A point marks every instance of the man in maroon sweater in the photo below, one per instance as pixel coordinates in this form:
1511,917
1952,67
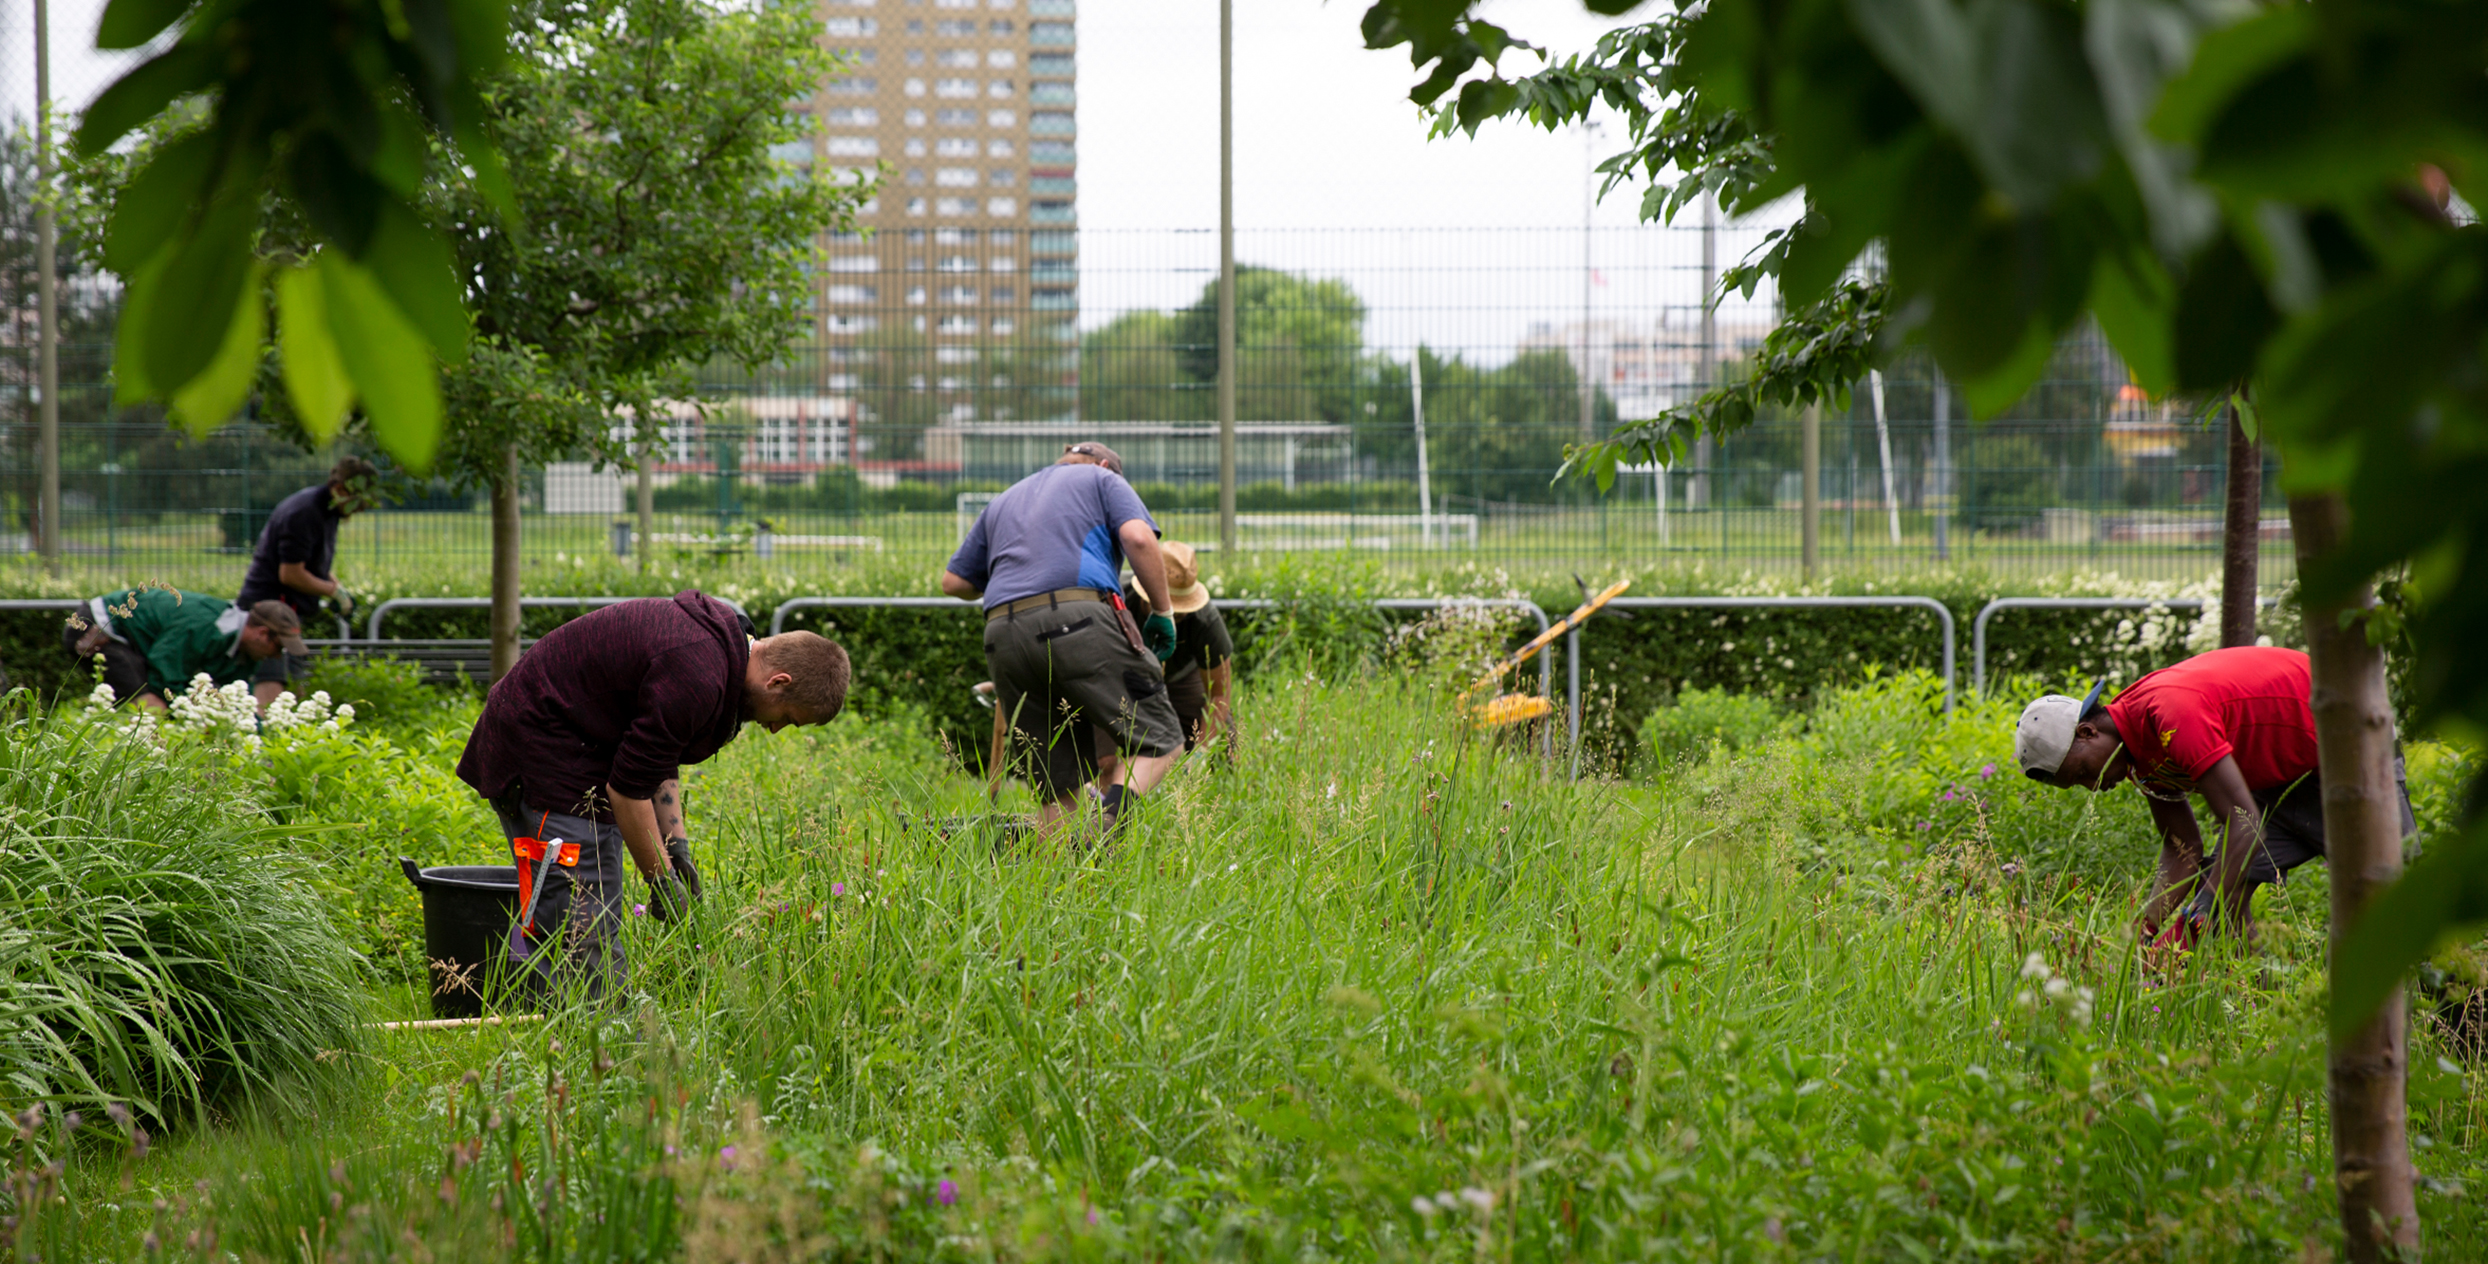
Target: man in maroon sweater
580,751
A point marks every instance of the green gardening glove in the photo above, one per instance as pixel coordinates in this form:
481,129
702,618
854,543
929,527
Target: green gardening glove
1158,631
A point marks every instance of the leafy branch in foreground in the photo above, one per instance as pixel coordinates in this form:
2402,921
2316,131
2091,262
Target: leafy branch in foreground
328,111
1682,146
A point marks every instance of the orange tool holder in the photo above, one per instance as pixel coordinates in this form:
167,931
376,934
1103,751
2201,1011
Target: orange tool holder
531,876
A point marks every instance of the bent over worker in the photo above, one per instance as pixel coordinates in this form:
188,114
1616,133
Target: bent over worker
1200,674
580,751
154,641
295,558
2234,726
1047,557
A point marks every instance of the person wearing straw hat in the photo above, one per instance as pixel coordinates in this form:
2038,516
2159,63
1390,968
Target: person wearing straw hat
2234,726
154,641
1200,675
1065,651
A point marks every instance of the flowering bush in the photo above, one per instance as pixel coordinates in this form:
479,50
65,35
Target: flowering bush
211,711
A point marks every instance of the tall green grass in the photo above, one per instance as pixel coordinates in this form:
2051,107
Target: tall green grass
162,944
1384,989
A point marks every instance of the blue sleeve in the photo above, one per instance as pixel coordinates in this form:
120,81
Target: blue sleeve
1122,503
971,561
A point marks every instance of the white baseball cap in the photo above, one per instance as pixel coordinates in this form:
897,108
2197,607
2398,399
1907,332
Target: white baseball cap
2046,730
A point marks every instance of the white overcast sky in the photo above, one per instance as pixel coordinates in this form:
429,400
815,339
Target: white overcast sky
1457,242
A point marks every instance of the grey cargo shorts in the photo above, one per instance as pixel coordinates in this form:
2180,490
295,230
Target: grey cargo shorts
1059,669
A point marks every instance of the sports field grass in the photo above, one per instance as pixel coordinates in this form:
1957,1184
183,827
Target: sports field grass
188,549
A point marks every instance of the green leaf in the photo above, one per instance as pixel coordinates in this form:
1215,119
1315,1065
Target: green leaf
207,273
1929,47
211,397
2443,891
2248,420
143,93
129,336
492,179
315,378
335,194
131,23
2315,466
415,266
2133,301
2225,62
2039,126
152,206
2223,318
1997,389
483,30
387,358
398,161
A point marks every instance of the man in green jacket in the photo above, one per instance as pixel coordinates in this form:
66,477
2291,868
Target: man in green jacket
153,640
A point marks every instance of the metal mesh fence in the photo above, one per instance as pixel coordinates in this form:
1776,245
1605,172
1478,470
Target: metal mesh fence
923,391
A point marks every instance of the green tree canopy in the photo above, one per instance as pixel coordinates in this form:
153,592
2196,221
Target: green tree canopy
1300,350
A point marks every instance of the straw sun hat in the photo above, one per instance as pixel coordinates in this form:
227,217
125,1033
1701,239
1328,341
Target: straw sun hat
1183,577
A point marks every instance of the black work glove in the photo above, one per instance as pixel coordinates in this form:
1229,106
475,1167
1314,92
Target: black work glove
1158,632
673,892
678,850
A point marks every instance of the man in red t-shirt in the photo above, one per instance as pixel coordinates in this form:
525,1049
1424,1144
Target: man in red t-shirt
2234,726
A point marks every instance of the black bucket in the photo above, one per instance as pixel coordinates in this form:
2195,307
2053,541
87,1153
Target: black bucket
467,911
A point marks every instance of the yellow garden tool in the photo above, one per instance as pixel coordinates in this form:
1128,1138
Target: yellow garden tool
1515,708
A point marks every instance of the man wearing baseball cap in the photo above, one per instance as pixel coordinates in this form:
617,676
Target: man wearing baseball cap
154,640
2234,726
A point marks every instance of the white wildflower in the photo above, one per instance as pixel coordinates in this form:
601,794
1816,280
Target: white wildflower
2035,967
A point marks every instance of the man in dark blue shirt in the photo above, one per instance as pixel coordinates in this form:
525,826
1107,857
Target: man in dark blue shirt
1047,557
295,561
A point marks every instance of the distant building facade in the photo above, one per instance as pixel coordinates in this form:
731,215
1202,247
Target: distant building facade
956,300
1645,368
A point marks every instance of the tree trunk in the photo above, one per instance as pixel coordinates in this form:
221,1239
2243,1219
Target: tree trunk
2363,849
505,585
2241,540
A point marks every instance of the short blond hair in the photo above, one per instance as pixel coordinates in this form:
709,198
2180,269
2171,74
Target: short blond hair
819,667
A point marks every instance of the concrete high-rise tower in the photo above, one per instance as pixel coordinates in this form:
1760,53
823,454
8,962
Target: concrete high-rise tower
958,299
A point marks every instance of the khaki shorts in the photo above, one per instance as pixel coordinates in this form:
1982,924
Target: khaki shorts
1057,670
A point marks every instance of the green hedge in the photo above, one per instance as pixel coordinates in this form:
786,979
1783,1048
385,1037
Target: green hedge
926,660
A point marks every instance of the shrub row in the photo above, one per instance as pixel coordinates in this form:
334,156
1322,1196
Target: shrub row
1630,666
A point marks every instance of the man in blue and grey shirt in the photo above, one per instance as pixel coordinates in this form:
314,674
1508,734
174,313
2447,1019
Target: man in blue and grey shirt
1047,558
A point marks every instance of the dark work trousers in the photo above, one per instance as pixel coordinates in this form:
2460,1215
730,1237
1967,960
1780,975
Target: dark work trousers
125,669
577,939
